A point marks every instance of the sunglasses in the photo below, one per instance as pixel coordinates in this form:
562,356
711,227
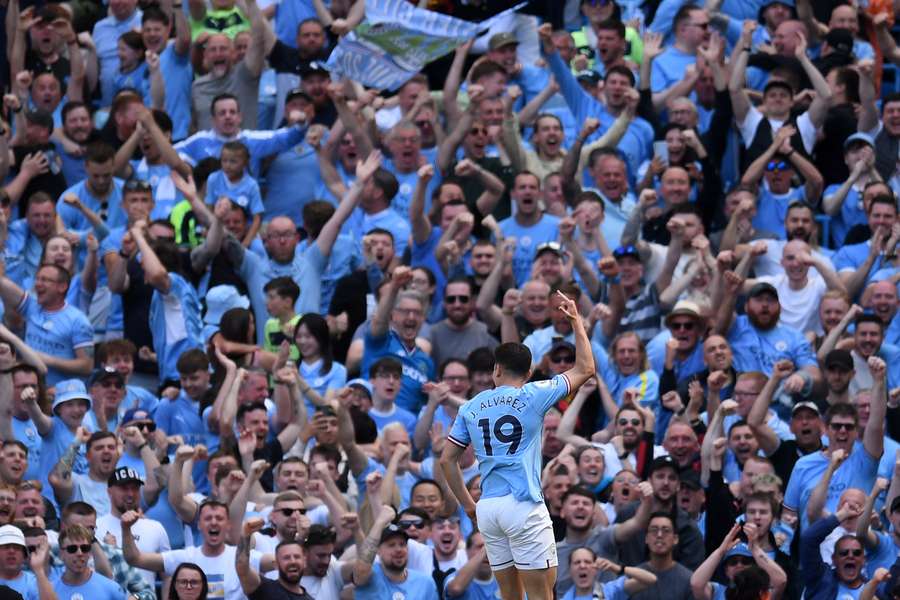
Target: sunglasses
683,326
777,165
847,552
740,560
634,422
148,426
455,299
478,131
137,184
418,524
842,426
289,511
116,384
74,548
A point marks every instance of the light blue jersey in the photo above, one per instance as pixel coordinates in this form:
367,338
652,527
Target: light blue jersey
97,587
262,143
504,425
176,323
58,333
109,209
528,238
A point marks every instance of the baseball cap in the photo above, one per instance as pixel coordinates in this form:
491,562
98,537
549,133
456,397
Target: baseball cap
691,480
553,247
684,308
70,389
391,531
298,93
101,373
562,344
588,76
663,462
840,40
124,475
219,300
135,414
740,549
810,405
361,383
859,137
839,358
498,40
767,3
623,251
780,83
762,288
10,534
313,67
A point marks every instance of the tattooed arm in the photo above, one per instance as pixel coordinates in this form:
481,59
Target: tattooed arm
362,568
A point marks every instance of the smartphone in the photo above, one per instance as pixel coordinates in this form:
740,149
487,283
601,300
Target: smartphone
661,150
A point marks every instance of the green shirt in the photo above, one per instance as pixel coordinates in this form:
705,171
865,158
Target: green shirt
230,22
274,333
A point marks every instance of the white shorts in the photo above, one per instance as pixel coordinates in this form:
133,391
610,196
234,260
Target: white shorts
516,533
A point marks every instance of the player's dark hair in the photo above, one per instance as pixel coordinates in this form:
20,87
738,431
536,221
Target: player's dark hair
513,358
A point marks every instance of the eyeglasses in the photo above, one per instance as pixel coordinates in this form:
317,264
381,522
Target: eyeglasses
188,583
777,165
417,523
289,511
455,299
75,548
478,131
562,358
842,426
623,422
116,384
847,552
745,561
682,325
137,185
659,531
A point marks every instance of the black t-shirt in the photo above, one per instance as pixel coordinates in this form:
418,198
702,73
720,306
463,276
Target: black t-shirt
53,182
285,59
273,590
272,453
61,68
785,457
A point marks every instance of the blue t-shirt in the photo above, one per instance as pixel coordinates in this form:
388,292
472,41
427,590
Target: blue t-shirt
22,253
668,68
262,143
757,350
504,426
405,481
292,180
850,258
418,368
26,432
345,258
175,323
178,74
97,587
106,36
416,587
57,333
398,415
884,554
360,223
245,192
25,584
138,79
612,590
772,209
322,382
528,238
165,194
476,590
407,187
852,213
857,471
684,369
109,209
56,442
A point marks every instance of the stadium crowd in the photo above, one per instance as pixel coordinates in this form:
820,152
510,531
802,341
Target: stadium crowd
245,299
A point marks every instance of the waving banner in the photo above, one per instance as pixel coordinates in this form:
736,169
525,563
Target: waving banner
396,40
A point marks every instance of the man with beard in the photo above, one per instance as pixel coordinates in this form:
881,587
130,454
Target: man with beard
868,340
26,238
253,419
35,158
805,425
214,556
583,531
860,467
758,340
460,333
541,341
125,495
324,575
848,562
100,192
530,226
33,584
664,477
855,262
475,577
393,330
290,559
673,580
78,128
839,373
376,581
311,44
79,579
224,74
686,328
717,356
90,487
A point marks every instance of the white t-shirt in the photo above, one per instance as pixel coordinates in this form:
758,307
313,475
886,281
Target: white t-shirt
769,264
799,308
149,535
328,587
220,571
93,492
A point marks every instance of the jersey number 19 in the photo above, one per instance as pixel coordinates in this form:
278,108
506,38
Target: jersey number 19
513,438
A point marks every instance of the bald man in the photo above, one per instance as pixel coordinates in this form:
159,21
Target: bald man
881,298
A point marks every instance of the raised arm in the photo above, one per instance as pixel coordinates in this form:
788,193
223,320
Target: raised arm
365,169
740,102
700,580
759,412
157,85
873,435
584,367
451,87
864,531
154,272
818,109
250,579
834,336
150,561
261,39
184,507
381,319
815,506
365,556
421,226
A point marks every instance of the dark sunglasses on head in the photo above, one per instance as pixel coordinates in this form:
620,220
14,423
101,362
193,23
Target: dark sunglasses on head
776,165
455,299
635,422
83,548
847,552
406,524
840,426
289,511
137,184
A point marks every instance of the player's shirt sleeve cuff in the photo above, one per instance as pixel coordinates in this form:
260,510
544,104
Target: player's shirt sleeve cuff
453,440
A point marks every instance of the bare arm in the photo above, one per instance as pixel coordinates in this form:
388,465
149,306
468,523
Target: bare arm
154,272
151,561
873,435
421,226
740,102
365,556
815,506
261,39
250,579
